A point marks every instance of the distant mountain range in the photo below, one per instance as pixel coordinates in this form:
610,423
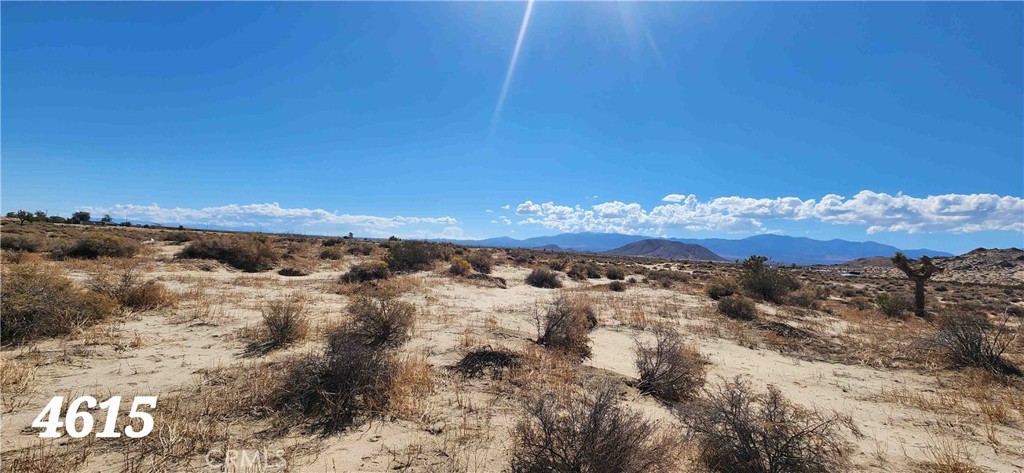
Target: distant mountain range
780,248
666,249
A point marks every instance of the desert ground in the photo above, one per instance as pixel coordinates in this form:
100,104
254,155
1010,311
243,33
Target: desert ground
471,357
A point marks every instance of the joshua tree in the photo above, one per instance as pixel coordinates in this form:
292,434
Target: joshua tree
918,273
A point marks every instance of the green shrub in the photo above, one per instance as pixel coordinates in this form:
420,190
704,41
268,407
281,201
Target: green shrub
544,279
737,307
482,261
765,282
415,255
366,272
20,243
460,267
38,302
95,245
616,273
893,305
252,253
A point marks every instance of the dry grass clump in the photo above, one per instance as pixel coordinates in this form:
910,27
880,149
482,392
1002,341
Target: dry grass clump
615,273
893,305
972,341
17,384
404,256
366,272
20,243
179,236
284,322
566,326
737,307
380,319
544,279
667,276
460,267
486,359
806,297
765,282
251,253
721,287
132,291
669,370
481,261
37,301
331,253
742,431
359,249
593,433
98,244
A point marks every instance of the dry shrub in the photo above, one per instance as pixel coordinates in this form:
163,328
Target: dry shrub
481,261
544,279
616,273
95,245
667,276
345,383
721,287
460,267
558,264
669,370
37,301
331,253
482,360
179,236
592,433
742,431
806,297
972,341
298,267
378,318
251,253
893,305
366,272
737,307
284,322
363,249
766,282
131,291
566,326
617,286
20,243
406,256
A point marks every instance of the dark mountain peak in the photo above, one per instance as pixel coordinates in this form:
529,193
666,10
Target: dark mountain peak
666,249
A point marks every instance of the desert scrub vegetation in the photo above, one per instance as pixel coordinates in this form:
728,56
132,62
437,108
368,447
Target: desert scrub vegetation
378,318
482,261
742,431
737,307
968,340
38,301
410,255
484,360
615,273
131,290
250,253
577,432
669,370
893,305
367,272
765,282
667,277
544,279
617,286
99,244
331,253
566,325
721,287
460,267
283,322
178,236
20,243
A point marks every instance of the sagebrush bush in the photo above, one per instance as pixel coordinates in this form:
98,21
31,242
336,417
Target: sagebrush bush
737,307
972,341
378,318
617,286
667,276
590,433
566,326
893,305
558,264
741,431
669,369
284,322
615,273
178,236
487,359
366,272
482,261
364,249
331,253
132,291
37,301
347,382
412,255
766,282
251,253
544,279
20,243
460,267
95,245
806,297
721,287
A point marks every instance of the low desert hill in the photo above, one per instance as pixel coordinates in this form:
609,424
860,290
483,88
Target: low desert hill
666,249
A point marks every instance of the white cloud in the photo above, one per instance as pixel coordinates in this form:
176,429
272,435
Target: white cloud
880,212
489,211
507,206
270,216
505,220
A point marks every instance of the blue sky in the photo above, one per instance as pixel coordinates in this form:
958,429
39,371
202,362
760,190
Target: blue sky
896,122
